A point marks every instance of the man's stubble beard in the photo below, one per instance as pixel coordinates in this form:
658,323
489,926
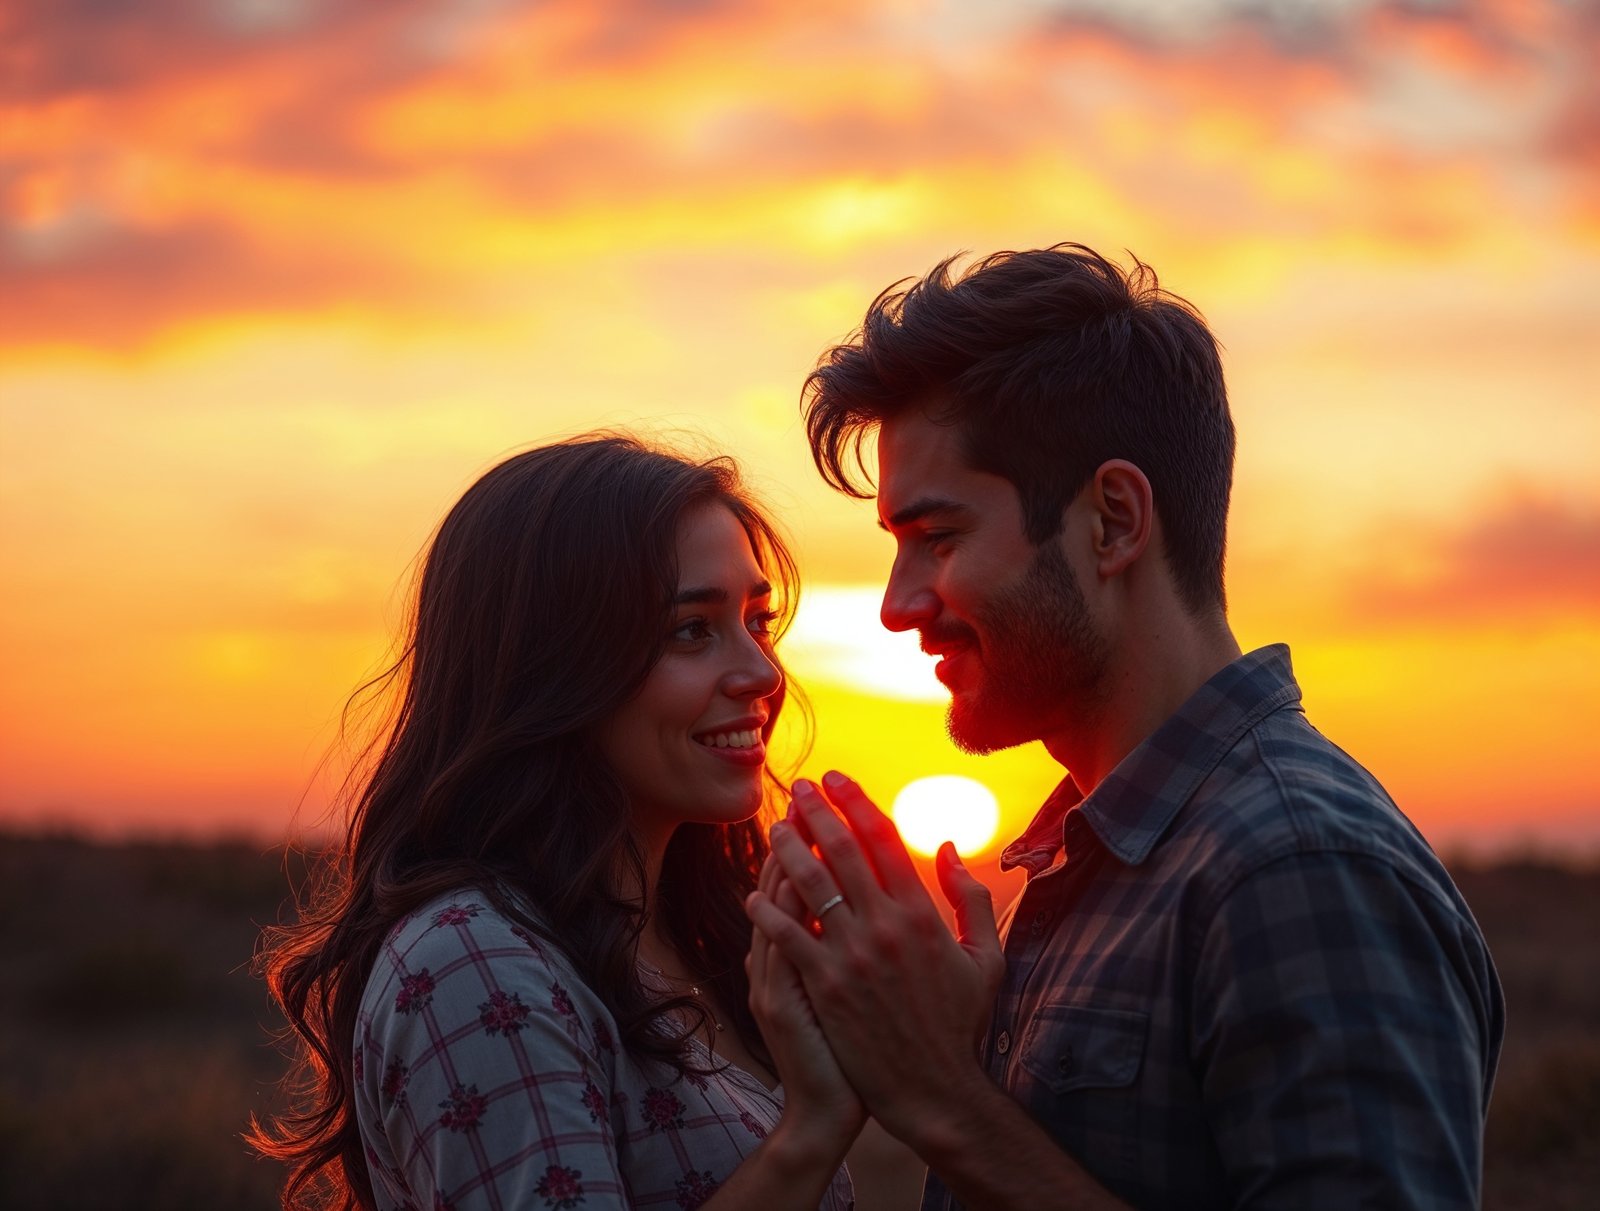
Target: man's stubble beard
1041,658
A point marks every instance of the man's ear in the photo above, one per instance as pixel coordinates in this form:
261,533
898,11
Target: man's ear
1124,516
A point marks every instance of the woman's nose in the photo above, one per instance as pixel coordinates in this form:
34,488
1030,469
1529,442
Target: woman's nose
757,674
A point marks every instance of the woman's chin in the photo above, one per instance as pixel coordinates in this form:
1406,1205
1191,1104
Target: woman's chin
736,809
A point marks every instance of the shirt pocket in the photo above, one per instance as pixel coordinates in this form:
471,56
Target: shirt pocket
1070,1047
1081,1067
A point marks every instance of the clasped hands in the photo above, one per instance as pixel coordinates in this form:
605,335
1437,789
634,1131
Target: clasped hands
901,1002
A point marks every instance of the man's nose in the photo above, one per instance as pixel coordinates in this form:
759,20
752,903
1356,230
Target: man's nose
909,602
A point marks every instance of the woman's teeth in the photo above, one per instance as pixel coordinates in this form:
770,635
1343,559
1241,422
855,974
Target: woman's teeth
748,739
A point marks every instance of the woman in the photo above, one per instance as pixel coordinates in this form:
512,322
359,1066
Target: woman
526,984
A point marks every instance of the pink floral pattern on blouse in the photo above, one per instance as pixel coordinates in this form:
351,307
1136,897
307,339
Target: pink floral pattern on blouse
488,1078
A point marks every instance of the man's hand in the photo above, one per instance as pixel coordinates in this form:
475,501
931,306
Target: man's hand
902,1002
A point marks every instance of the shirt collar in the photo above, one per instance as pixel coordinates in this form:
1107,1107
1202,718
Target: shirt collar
1035,850
1135,803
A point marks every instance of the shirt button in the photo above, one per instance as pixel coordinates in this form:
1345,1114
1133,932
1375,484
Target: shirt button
1003,1043
1040,920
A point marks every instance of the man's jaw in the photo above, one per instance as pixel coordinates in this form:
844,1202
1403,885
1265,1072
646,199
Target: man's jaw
978,724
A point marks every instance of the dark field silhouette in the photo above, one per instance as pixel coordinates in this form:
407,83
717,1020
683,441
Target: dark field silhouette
135,1043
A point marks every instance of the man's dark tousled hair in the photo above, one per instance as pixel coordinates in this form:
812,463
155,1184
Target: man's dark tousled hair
1050,362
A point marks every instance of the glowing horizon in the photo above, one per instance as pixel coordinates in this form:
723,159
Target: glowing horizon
278,281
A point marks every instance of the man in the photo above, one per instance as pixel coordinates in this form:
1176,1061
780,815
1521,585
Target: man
1237,976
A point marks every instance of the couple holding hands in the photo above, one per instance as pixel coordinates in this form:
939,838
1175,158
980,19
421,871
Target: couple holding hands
562,963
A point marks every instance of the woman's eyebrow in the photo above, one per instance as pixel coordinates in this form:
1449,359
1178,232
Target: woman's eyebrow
713,596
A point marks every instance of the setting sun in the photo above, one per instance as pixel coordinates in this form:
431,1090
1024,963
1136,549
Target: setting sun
837,637
947,807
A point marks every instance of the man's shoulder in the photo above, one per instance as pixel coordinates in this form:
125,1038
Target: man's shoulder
1284,791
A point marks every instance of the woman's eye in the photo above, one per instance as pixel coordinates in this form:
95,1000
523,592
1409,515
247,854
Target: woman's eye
692,630
761,624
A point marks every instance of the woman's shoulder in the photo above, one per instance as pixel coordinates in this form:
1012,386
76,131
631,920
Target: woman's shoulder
477,1048
464,920
460,945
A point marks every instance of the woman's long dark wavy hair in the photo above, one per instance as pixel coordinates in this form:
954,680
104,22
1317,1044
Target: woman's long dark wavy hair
544,601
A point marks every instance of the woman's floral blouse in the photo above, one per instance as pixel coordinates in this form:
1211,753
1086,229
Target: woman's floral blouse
489,1077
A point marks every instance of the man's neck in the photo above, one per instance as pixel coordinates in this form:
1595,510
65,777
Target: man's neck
1151,676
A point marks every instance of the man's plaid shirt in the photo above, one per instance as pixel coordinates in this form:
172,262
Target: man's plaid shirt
1238,976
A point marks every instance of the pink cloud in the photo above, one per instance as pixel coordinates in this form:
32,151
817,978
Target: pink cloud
1527,558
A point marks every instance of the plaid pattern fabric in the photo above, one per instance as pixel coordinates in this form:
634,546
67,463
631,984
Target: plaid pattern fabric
1238,976
489,1078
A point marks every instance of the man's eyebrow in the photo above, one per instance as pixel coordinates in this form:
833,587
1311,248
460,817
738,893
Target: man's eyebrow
918,509
711,596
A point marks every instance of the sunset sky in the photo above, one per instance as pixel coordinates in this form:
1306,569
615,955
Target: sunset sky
280,278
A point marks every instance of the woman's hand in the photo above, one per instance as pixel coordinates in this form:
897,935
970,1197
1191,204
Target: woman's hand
794,1165
821,1112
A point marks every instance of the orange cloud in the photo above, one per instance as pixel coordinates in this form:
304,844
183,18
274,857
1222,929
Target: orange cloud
383,154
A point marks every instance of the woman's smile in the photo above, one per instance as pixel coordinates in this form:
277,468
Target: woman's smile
736,748
717,683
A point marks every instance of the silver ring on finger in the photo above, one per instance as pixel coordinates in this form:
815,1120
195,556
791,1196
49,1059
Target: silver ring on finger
828,906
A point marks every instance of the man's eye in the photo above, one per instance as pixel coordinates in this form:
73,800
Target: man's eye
936,538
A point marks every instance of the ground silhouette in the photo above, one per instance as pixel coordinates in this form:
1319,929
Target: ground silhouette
135,1043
